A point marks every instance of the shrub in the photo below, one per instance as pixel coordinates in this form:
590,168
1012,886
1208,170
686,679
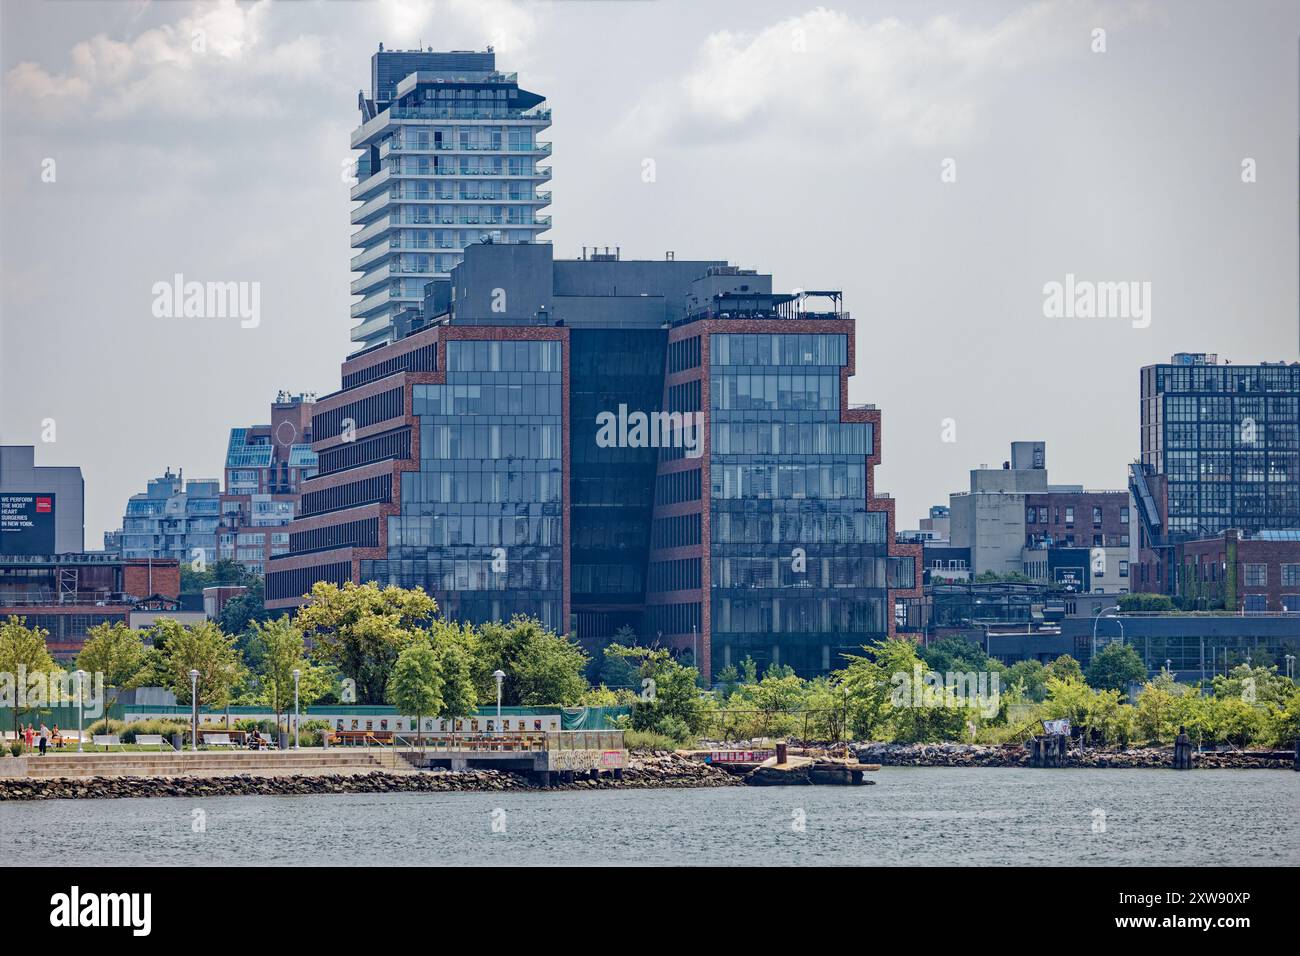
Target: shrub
648,740
16,748
1145,602
106,726
165,727
310,732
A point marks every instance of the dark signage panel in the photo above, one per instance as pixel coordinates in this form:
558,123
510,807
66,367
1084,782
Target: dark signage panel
26,522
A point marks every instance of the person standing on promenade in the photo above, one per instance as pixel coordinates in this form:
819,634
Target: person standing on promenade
28,736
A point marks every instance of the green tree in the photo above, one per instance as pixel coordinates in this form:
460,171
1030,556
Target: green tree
455,645
886,701
201,647
670,702
1157,711
283,650
22,648
115,651
1236,721
1115,666
415,681
826,707
224,572
244,610
956,653
1254,684
777,694
870,683
1065,667
1071,699
615,670
541,667
361,629
1284,722
1029,677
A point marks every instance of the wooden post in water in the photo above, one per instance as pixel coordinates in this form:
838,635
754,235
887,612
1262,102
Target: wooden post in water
1182,750
1040,755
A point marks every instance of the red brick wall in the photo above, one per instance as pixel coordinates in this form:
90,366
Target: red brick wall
144,579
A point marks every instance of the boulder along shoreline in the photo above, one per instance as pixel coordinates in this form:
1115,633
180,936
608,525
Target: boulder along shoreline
1013,755
645,771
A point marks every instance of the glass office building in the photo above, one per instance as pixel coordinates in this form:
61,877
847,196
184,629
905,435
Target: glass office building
1225,441
799,565
662,446
480,524
612,489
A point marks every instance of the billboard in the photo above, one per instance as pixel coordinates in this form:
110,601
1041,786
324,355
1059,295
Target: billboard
26,522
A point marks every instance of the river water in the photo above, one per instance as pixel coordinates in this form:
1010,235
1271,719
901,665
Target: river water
937,816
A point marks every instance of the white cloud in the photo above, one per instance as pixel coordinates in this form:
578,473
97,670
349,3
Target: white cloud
888,81
206,63
507,25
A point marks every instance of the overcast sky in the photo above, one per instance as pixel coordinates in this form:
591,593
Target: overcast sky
803,141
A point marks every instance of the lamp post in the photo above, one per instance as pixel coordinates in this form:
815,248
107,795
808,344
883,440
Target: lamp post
81,699
500,675
844,728
296,674
194,710
1290,666
1096,618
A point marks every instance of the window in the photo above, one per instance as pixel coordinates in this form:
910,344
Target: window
1096,517
1255,575
1256,602
1069,517
1123,515
1290,575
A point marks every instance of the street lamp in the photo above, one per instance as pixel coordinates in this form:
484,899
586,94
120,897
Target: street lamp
194,710
1096,618
296,674
500,675
81,699
1290,666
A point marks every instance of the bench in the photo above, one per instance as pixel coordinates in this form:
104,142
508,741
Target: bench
218,740
106,740
152,740
363,737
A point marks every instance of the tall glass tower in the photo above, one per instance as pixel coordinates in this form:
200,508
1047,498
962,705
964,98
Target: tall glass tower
448,157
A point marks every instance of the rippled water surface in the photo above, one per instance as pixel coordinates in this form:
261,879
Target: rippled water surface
941,816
